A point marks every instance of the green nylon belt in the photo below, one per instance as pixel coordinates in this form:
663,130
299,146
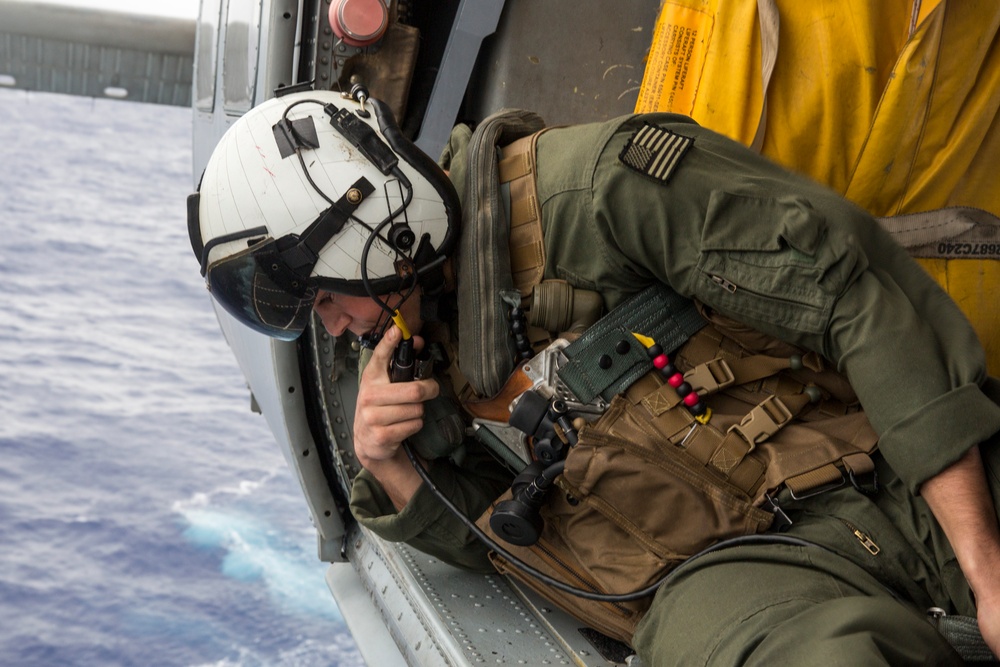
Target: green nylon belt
607,359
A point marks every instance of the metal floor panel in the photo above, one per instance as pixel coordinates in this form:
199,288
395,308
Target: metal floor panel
440,615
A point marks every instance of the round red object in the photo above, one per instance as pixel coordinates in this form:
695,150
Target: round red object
691,399
359,22
675,380
660,361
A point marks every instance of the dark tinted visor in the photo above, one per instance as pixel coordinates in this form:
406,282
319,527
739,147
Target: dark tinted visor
255,287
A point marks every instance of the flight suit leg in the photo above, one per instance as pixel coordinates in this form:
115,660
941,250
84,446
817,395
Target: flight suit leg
783,604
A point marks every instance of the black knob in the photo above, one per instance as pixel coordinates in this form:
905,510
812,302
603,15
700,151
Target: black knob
516,523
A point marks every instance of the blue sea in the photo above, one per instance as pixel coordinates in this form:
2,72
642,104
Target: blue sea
146,514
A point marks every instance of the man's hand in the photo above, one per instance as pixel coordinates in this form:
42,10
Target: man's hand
387,413
960,499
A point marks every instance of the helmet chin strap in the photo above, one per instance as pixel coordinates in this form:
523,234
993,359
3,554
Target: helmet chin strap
433,280
300,253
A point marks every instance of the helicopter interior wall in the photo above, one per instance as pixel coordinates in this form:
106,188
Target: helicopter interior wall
569,61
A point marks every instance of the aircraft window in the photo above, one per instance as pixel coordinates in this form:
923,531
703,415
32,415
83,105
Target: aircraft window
7,80
239,64
205,57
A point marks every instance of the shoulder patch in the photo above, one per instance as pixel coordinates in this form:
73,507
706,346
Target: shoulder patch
655,151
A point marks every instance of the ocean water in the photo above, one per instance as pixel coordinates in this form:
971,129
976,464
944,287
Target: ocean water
146,515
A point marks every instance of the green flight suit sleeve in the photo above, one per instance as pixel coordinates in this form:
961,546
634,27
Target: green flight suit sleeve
465,472
782,254
454,158
425,523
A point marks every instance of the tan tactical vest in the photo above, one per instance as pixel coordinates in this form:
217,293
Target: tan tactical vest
648,485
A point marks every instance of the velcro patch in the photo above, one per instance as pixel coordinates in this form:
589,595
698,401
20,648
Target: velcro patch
655,151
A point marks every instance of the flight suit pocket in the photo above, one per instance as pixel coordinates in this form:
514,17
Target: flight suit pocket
769,259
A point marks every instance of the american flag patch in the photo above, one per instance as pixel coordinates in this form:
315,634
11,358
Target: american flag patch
655,151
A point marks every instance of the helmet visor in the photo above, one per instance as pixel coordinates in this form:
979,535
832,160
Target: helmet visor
255,287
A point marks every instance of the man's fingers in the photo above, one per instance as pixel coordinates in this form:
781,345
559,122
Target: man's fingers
382,354
377,416
399,393
383,351
394,434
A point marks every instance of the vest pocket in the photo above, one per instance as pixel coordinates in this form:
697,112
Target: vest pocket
769,259
670,504
625,512
554,556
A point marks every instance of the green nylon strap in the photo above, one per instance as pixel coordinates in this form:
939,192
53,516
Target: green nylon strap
486,353
599,364
499,448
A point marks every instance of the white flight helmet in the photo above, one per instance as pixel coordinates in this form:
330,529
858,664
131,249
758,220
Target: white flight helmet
312,191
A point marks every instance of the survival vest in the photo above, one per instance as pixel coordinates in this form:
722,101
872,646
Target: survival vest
652,479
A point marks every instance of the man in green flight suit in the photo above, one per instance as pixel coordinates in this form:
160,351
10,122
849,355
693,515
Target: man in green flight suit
313,202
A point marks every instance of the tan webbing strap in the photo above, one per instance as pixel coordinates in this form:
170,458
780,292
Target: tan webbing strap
767,12
642,387
748,475
710,377
760,424
515,161
527,249
830,475
702,444
760,366
858,464
946,233
820,478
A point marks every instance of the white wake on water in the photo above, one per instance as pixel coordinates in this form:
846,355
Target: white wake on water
255,549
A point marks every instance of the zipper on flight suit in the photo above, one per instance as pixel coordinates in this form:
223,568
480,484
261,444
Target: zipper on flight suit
867,542
732,288
725,284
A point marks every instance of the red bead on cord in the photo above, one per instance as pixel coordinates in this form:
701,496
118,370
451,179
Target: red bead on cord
690,398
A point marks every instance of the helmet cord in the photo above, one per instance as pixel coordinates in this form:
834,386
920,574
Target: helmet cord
374,232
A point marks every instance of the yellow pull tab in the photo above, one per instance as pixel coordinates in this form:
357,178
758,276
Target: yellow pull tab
397,317
645,340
